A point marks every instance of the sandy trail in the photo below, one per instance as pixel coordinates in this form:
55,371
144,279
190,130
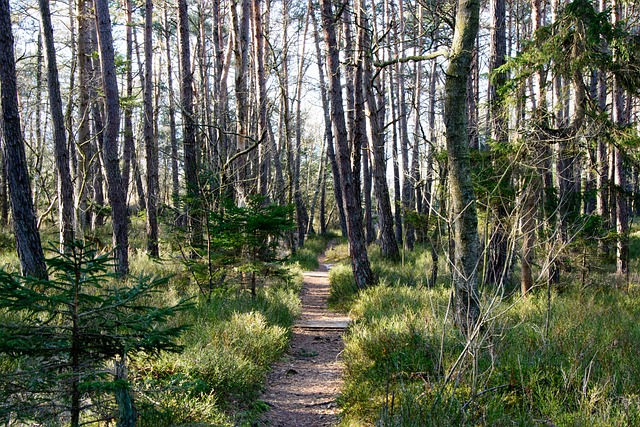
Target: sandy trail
302,387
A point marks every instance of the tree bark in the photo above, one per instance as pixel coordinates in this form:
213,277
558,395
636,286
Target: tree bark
499,261
65,184
189,133
84,113
619,176
150,143
241,52
465,221
4,191
302,216
328,129
263,152
24,219
116,194
129,143
353,212
175,173
388,243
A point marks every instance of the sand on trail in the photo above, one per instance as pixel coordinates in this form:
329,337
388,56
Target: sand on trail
302,388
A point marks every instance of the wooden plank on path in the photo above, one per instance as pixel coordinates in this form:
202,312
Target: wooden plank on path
323,324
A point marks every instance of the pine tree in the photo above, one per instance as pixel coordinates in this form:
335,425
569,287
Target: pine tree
59,338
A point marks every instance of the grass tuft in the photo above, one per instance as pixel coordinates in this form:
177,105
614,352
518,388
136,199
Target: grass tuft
406,364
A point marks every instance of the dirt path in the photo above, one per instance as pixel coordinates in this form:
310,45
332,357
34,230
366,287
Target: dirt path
302,388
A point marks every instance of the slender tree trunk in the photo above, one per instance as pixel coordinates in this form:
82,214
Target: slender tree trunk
302,217
397,192
388,243
24,219
189,132
241,50
407,190
328,130
263,152
97,113
65,184
84,179
323,192
319,186
465,221
129,142
619,176
498,257
416,181
150,143
353,212
175,173
367,179
4,190
117,198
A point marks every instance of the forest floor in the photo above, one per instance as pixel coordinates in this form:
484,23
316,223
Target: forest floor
302,388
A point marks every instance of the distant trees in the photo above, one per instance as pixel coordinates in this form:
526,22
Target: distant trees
361,134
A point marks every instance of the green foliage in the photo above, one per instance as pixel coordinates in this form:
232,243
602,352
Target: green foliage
580,39
58,336
234,340
343,289
242,245
403,346
306,257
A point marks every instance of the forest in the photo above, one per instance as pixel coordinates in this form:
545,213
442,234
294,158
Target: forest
170,169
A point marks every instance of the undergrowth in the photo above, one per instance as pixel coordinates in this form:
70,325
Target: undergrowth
406,364
232,340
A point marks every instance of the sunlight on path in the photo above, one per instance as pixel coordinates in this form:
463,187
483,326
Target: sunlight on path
302,388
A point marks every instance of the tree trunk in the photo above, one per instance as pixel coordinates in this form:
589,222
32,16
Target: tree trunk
328,130
117,198
465,221
397,192
4,191
619,176
150,143
499,261
189,132
241,52
84,110
388,243
65,184
319,185
407,190
353,212
367,179
302,217
175,173
129,142
262,139
24,219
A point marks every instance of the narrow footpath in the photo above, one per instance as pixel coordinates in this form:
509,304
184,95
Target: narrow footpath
303,386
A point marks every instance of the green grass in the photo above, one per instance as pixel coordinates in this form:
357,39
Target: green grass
230,347
306,257
233,340
406,364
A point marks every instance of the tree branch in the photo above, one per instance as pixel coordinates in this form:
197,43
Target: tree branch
413,58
